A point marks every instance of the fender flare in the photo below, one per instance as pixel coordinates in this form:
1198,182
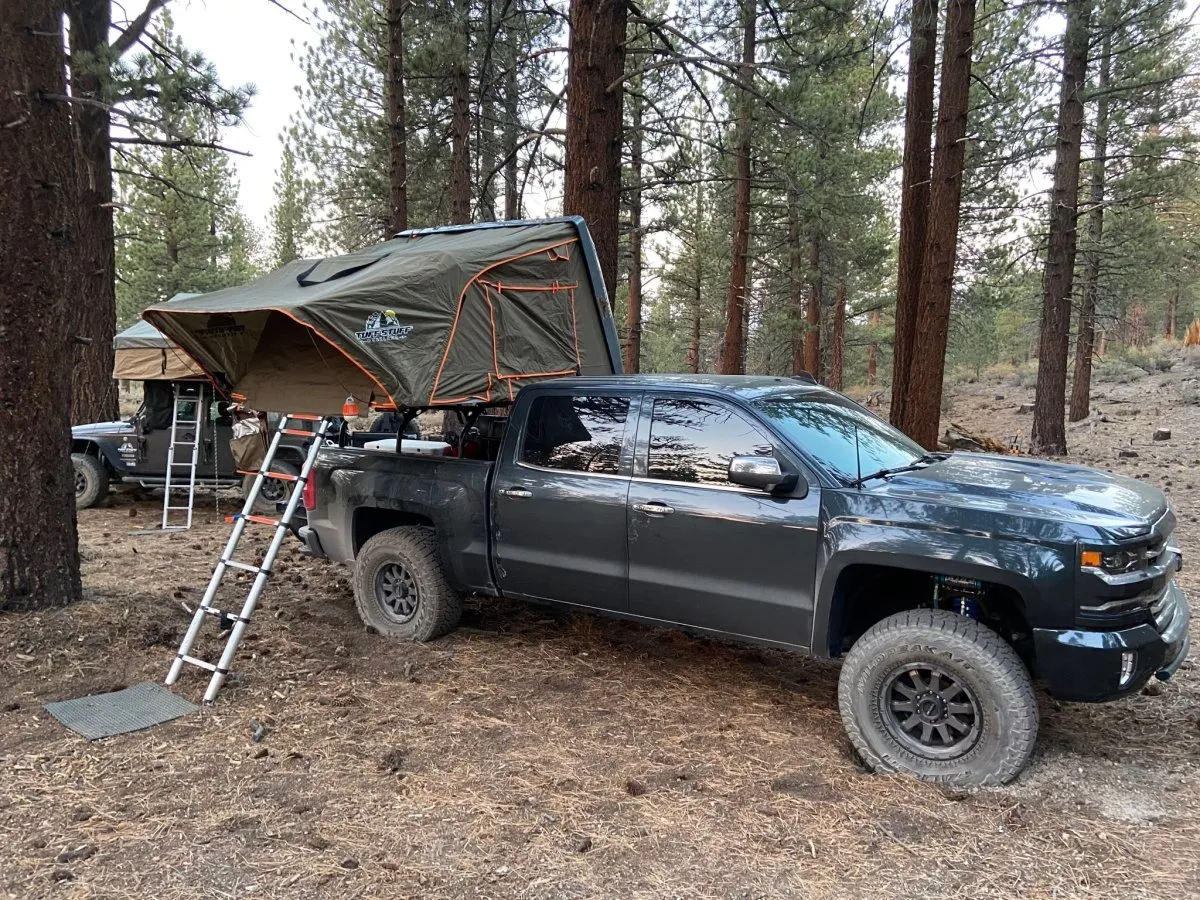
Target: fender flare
106,452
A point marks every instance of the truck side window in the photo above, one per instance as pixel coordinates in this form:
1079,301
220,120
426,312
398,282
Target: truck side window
579,434
693,441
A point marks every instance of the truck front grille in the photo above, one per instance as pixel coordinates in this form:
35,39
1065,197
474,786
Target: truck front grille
1165,608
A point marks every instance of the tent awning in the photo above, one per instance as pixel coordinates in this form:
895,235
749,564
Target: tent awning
143,353
433,317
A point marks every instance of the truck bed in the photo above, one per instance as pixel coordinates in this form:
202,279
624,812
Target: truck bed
362,492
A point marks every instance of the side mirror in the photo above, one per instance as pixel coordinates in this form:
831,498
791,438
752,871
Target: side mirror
762,472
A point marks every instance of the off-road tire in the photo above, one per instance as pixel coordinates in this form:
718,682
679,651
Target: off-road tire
969,652
415,549
263,505
93,476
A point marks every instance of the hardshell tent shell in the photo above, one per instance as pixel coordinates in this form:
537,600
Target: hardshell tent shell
143,353
430,318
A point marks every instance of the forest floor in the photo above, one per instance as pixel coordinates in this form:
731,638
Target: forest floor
534,756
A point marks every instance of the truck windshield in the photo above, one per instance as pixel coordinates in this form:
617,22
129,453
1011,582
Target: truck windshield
825,426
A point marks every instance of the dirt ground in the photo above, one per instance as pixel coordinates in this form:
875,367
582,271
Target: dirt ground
530,755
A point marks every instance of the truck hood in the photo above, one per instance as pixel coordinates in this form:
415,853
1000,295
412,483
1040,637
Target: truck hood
1033,488
94,429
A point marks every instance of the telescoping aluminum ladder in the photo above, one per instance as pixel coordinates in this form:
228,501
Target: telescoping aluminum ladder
261,571
187,441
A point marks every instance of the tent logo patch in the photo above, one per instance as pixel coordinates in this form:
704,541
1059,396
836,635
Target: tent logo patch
381,325
221,325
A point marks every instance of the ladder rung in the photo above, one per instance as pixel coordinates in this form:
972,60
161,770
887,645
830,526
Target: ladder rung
261,520
303,417
299,432
282,476
221,614
245,567
203,664
178,507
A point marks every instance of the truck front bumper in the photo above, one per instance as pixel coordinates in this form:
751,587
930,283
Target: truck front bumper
1093,666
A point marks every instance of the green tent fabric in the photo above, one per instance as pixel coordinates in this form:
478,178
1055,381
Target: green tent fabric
435,317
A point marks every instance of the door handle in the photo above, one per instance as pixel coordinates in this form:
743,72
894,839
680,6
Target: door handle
654,508
519,493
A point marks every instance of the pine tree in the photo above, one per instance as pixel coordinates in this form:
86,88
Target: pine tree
290,216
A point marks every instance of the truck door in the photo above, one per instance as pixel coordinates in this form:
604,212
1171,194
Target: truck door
558,512
708,553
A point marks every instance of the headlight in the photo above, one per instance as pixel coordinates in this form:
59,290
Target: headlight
1114,562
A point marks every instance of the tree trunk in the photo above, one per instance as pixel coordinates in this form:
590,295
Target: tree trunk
633,346
837,339
397,119
733,349
812,312
93,391
873,350
914,192
1172,314
1049,434
592,176
512,183
693,353
795,286
923,394
40,207
1081,387
460,123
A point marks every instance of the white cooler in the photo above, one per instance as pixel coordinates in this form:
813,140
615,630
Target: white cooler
410,445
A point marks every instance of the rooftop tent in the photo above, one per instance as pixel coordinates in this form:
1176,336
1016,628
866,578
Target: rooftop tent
143,353
433,317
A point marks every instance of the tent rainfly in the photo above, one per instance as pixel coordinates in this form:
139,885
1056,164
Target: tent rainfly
435,317
143,353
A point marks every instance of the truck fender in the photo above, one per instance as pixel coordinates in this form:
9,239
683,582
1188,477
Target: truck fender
1033,571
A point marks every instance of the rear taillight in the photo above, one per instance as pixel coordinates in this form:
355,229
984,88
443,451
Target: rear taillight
310,493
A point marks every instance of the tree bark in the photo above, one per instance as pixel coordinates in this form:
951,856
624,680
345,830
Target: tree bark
1081,386
93,391
795,286
922,403
633,346
812,312
460,123
693,353
592,176
837,339
873,350
1049,435
1169,324
733,348
512,184
40,206
397,113
914,195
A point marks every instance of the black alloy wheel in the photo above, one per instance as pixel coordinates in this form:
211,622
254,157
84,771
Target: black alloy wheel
929,711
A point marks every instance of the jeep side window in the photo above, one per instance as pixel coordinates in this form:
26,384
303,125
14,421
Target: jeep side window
694,440
578,434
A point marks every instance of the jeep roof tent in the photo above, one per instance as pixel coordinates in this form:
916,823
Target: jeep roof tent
143,353
433,317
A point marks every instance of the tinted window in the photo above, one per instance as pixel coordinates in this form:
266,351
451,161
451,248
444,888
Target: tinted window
840,434
693,440
580,434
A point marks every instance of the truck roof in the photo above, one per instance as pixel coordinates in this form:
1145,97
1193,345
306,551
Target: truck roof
746,386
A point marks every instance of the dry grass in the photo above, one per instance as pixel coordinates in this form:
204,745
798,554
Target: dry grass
531,755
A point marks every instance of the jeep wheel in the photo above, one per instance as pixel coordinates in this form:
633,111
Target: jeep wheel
400,589
91,480
273,489
939,696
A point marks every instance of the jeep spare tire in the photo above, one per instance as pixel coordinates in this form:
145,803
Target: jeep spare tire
400,589
91,480
273,489
938,696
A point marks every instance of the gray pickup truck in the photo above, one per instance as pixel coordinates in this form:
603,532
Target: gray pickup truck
777,512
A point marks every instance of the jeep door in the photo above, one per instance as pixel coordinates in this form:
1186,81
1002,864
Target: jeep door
708,553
